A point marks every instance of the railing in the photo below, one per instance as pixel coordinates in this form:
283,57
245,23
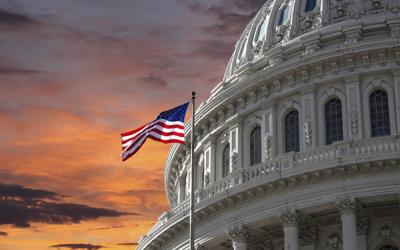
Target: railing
345,151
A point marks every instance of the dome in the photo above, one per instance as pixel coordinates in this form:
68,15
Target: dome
298,147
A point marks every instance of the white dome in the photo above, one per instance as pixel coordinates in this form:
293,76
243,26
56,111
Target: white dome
303,130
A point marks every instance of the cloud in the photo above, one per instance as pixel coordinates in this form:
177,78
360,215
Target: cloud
3,233
8,18
105,228
128,244
78,246
154,80
17,71
21,206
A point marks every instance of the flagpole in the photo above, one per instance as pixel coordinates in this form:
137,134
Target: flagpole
193,174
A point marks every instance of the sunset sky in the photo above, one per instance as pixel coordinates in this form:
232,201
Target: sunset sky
74,74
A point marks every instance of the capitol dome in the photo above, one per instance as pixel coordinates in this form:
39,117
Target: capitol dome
298,148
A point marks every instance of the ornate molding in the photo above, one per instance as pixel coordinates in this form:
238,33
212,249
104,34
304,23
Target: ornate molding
347,207
309,235
289,218
239,233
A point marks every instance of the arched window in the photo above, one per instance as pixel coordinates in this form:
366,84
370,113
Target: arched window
292,140
262,29
310,5
283,16
333,121
225,161
379,111
255,146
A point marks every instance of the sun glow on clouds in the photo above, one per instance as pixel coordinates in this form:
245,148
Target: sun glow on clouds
73,76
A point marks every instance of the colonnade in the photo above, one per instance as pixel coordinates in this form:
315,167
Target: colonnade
240,234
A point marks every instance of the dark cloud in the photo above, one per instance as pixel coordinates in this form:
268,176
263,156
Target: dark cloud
78,246
3,233
105,228
16,71
20,206
8,18
128,244
212,49
154,80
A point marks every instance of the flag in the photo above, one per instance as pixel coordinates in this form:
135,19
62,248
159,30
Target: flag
168,127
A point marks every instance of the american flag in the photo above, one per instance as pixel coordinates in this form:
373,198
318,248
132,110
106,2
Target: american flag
168,127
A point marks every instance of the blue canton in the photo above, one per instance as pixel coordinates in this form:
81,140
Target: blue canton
175,114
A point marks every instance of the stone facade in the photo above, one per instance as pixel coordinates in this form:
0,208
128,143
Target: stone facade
340,195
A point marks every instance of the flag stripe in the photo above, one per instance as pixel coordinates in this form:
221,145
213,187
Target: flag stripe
167,128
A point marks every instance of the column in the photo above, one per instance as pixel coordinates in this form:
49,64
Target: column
268,132
182,185
308,113
354,108
396,81
209,161
347,209
239,235
236,144
290,230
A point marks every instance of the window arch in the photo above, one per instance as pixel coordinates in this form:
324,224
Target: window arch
292,138
379,113
283,16
310,5
262,29
225,161
255,146
333,121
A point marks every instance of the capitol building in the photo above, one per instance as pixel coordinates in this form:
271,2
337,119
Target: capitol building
298,148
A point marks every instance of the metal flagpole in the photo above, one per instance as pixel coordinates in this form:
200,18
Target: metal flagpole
193,174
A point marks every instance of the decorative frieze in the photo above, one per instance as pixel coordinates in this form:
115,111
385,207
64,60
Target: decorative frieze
308,131
347,207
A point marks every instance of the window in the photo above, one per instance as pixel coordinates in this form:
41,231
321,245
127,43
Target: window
284,16
333,121
261,30
310,5
379,111
255,146
225,161
292,141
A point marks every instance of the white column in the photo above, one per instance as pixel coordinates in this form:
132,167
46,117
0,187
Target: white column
290,230
239,236
209,161
236,144
182,185
268,131
396,80
354,108
349,228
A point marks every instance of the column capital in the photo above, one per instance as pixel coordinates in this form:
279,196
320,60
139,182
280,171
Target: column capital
347,207
289,218
239,233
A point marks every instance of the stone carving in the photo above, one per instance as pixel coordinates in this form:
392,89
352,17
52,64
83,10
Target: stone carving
234,160
347,207
308,22
239,233
341,10
207,179
265,245
268,146
257,50
280,33
354,122
289,218
362,225
309,236
308,131
385,232
365,59
333,241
